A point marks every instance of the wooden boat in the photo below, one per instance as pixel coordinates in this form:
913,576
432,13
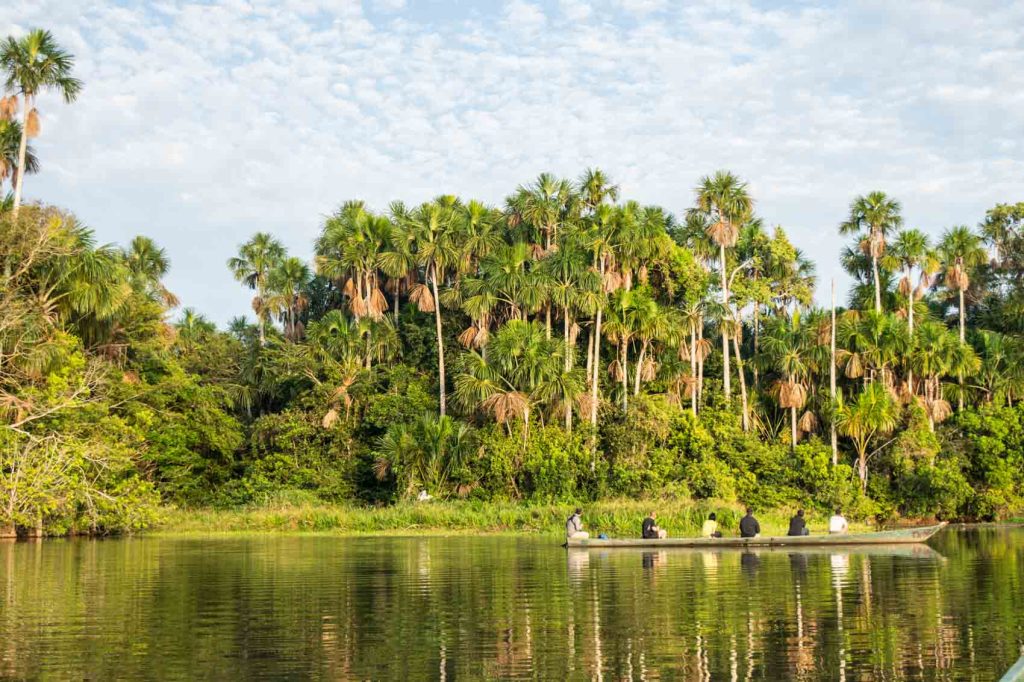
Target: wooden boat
913,551
900,536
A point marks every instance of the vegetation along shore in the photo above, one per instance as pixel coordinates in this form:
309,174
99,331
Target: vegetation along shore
567,345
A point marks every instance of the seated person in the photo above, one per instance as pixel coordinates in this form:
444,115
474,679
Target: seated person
574,526
649,529
797,525
749,527
837,525
710,527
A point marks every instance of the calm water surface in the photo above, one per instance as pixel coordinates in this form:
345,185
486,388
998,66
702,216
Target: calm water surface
500,607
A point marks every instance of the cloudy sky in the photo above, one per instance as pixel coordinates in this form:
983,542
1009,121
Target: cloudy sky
202,123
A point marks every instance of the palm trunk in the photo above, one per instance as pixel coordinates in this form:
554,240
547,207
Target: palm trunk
693,369
910,325
22,147
261,316
757,324
726,385
440,339
792,427
639,368
862,467
960,397
590,355
832,376
624,356
878,285
700,363
396,304
597,367
567,366
743,383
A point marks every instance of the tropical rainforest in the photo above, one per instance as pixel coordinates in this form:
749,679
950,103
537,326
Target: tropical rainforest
569,344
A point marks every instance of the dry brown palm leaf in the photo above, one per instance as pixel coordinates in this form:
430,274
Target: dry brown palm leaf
381,468
377,304
808,422
258,305
615,370
330,418
349,288
468,336
358,307
506,406
130,377
32,124
5,168
611,282
703,349
8,107
791,394
940,410
853,365
683,351
904,287
724,233
583,403
920,291
482,336
537,251
648,370
642,274
423,298
958,277
574,333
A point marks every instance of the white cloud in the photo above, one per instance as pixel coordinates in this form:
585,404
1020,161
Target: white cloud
200,125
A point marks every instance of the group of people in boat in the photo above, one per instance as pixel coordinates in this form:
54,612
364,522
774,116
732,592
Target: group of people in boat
749,526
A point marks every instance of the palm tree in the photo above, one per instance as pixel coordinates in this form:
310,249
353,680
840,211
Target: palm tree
911,251
434,232
873,413
348,252
961,251
32,64
723,198
424,455
788,348
287,284
596,189
252,266
149,264
10,145
880,215
192,327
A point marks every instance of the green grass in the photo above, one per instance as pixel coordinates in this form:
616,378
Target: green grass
617,518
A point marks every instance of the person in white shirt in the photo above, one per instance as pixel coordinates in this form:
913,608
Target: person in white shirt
838,524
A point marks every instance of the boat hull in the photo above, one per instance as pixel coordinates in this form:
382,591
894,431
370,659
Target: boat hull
901,536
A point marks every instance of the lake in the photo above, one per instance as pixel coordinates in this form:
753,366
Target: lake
299,607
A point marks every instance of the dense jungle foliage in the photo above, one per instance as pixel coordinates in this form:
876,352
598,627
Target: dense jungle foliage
569,344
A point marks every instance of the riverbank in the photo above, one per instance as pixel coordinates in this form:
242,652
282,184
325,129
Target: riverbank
613,517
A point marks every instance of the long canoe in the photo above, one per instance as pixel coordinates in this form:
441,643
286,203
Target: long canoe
901,536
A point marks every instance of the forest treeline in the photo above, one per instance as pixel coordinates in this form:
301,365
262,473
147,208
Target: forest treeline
568,344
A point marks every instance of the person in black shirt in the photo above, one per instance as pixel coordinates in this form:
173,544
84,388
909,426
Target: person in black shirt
749,527
797,525
649,529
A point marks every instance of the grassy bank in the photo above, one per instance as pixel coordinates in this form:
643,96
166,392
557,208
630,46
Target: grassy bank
615,517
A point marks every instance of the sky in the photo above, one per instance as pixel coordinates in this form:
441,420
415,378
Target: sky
202,123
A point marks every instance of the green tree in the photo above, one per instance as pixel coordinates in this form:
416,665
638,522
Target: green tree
873,413
961,252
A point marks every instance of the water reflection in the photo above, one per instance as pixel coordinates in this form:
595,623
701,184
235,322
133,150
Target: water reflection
450,608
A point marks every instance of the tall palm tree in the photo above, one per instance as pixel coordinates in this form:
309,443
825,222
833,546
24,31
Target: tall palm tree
961,251
595,189
32,64
880,215
724,199
252,266
434,231
911,251
348,251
